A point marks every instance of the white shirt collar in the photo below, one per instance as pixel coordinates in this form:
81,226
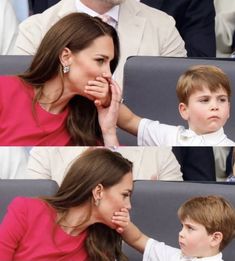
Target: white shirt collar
113,12
217,257
210,138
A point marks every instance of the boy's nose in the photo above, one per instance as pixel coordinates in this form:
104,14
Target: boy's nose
214,105
181,233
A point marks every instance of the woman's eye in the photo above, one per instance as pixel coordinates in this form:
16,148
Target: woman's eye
126,195
100,61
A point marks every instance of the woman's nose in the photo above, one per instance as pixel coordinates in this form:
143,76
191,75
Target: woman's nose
128,205
107,71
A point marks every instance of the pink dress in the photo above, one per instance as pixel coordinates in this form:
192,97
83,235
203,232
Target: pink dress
18,124
29,233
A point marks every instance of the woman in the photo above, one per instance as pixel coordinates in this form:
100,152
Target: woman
77,222
55,102
8,27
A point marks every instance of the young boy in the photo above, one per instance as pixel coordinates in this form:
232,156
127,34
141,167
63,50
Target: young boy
208,226
204,101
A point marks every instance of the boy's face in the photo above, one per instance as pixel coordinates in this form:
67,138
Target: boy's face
194,240
206,111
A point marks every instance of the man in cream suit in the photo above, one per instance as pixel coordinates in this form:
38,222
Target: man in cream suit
224,27
158,163
142,29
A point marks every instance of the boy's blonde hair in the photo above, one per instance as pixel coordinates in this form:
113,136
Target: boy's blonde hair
199,77
215,213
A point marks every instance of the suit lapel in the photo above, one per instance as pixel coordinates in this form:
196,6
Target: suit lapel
66,8
130,27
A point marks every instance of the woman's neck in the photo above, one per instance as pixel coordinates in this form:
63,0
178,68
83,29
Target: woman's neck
51,99
76,220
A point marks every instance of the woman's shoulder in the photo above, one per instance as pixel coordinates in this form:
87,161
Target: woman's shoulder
6,78
13,85
10,81
28,203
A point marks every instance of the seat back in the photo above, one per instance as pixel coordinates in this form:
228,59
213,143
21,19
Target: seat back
14,64
150,89
155,205
11,188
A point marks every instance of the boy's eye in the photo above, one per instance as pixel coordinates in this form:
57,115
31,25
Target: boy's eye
204,100
190,227
223,99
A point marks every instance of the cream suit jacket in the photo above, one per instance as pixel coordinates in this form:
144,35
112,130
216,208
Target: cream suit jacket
142,30
13,162
224,26
8,27
149,162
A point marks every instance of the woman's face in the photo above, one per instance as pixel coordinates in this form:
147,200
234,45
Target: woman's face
114,199
89,63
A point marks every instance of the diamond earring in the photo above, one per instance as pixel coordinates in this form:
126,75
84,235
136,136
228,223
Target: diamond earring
66,68
97,202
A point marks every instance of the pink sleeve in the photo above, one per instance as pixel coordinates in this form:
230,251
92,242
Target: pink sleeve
12,228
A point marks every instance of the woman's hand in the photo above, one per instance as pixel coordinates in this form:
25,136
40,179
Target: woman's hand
108,116
99,90
121,219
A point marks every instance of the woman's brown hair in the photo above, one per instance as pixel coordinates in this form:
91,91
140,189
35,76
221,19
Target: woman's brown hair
93,167
75,31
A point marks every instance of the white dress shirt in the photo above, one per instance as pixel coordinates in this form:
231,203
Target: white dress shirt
159,251
113,12
153,133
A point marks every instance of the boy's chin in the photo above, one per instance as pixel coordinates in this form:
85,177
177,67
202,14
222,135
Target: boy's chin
185,253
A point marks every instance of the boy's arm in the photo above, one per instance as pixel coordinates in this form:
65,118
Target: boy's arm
130,233
134,237
127,120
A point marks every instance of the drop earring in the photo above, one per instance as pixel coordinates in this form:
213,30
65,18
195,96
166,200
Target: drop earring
66,68
97,202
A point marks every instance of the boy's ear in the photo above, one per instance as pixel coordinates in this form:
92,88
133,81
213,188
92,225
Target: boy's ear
97,192
66,57
216,239
229,107
183,110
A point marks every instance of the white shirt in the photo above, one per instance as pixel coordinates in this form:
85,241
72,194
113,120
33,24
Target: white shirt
152,133
159,251
113,12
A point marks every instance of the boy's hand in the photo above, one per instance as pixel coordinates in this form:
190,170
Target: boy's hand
121,219
99,90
